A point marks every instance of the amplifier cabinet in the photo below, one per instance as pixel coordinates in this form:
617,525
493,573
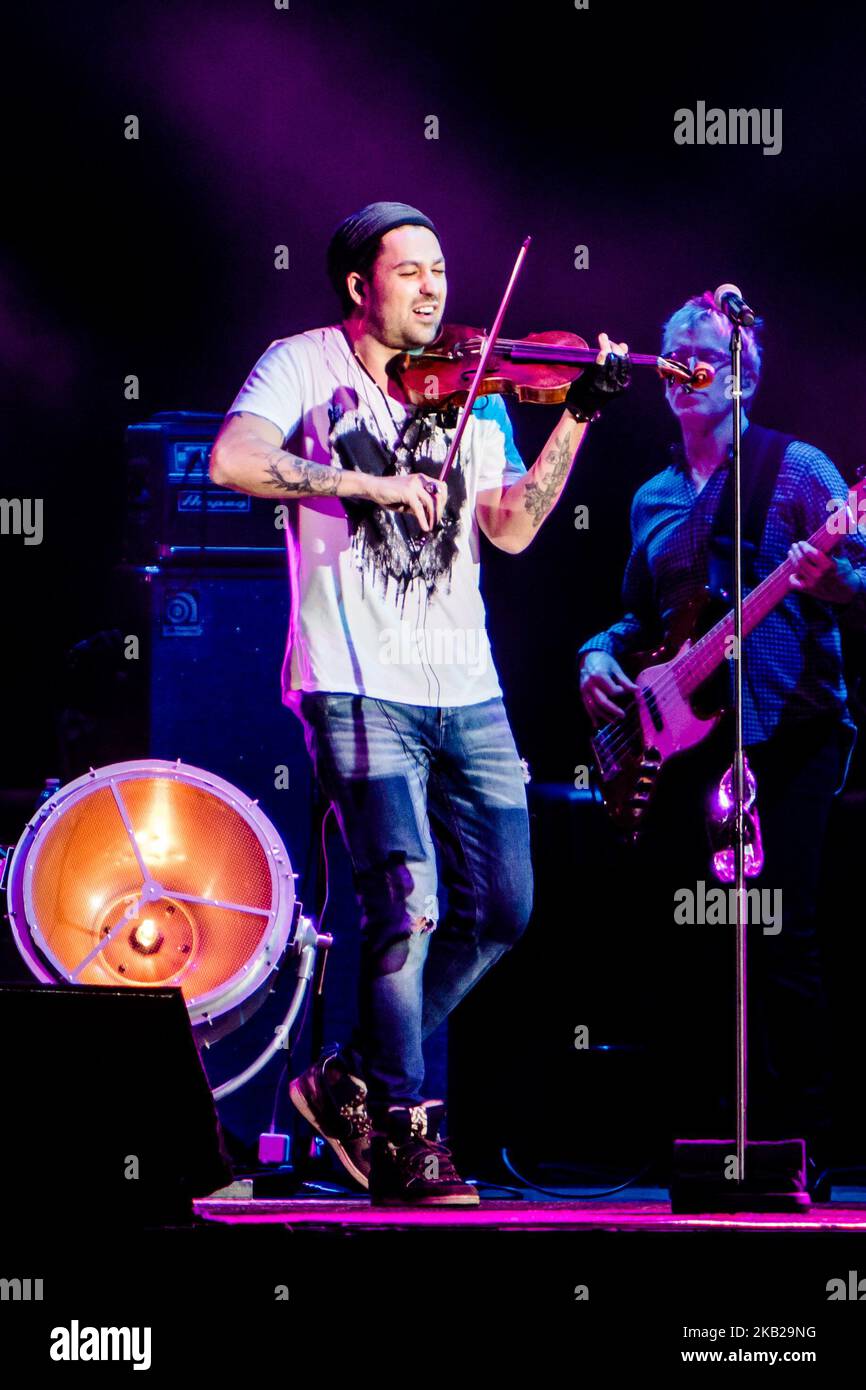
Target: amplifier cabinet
175,515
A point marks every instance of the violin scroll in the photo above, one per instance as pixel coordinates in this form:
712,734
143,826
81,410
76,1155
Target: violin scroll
697,378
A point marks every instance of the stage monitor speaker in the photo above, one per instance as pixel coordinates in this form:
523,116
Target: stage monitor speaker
108,1119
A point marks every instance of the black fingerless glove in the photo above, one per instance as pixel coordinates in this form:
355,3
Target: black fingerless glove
597,384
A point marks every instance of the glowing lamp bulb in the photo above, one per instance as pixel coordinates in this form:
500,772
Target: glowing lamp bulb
147,938
146,933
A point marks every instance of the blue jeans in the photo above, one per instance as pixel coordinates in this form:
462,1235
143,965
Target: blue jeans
405,780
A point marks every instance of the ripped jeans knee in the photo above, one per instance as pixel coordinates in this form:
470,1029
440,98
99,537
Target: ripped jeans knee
390,917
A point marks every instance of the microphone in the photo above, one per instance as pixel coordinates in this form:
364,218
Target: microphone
729,301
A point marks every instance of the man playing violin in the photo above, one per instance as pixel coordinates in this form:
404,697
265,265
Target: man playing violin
389,667
797,727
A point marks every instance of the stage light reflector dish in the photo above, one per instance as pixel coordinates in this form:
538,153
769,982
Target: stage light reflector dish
153,873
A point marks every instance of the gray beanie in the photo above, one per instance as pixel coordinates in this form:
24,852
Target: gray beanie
357,233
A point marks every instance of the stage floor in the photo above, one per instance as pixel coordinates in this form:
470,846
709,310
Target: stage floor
644,1210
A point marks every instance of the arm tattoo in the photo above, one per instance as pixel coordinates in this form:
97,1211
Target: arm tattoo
310,479
540,497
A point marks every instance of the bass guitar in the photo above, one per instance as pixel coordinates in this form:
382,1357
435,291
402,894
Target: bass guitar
660,721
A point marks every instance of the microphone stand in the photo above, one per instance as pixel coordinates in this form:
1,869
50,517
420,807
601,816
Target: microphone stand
739,779
776,1177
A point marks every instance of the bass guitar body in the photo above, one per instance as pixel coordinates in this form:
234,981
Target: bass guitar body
659,722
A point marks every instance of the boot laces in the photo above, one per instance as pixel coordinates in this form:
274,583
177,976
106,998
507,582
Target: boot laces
414,1155
355,1113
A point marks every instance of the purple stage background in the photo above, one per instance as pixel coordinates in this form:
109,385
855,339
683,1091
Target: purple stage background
261,127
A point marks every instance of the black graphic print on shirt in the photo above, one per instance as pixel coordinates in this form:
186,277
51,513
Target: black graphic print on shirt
390,544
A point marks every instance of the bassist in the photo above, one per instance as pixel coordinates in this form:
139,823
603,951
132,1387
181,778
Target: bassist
797,727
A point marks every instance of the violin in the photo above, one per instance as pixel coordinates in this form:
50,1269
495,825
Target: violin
538,368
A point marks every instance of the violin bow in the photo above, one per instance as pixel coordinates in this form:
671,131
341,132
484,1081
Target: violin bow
486,353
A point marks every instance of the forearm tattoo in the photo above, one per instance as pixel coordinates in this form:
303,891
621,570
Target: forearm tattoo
539,497
300,479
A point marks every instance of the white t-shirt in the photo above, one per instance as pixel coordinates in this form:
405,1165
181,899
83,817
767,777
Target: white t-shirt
373,611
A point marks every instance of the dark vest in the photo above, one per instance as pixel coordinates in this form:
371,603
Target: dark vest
762,454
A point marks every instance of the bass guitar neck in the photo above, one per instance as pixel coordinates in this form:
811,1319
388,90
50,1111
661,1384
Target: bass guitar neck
660,721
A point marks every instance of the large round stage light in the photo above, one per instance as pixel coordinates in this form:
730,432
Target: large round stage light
153,873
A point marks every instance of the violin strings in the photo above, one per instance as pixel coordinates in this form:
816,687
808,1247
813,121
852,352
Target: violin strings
554,353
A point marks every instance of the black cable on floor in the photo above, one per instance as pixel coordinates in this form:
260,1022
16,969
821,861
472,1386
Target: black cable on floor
583,1196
